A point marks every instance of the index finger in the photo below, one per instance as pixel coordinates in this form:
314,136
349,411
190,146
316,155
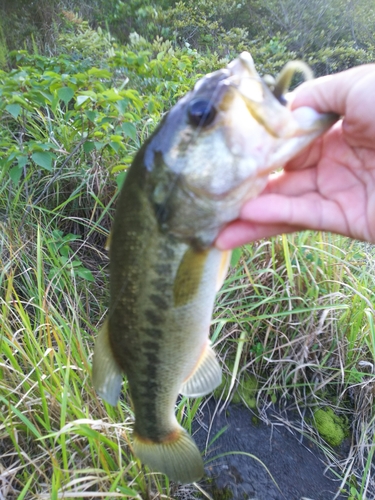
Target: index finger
349,94
330,93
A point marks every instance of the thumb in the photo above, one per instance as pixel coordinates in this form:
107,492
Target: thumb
350,94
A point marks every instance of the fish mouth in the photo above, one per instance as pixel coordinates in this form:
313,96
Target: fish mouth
265,99
260,131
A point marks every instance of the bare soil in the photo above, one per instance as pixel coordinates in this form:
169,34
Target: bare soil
297,465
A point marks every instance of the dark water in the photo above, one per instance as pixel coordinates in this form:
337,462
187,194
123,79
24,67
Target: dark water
296,467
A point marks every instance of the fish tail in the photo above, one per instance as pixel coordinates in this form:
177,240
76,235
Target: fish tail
177,456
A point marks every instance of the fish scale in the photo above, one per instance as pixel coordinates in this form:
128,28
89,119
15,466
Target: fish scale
211,152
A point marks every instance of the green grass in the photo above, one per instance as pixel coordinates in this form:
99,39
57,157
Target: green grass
303,325
296,313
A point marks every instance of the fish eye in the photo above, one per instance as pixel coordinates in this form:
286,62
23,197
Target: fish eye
201,113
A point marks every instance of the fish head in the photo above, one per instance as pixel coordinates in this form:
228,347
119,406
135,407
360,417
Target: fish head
216,147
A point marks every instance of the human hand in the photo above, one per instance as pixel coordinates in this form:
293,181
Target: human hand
330,186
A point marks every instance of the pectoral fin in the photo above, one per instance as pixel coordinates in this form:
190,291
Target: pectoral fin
223,269
106,374
206,376
188,276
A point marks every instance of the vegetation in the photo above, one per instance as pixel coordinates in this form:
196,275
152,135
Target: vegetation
331,427
82,87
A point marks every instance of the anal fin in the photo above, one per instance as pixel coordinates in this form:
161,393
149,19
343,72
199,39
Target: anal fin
206,376
106,374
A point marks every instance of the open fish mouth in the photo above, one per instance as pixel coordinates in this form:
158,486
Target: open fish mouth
259,129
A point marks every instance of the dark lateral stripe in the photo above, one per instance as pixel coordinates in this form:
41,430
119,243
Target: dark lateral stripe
163,269
154,333
159,301
154,317
151,346
161,285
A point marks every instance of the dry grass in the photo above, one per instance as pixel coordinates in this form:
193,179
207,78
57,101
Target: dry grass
297,313
305,330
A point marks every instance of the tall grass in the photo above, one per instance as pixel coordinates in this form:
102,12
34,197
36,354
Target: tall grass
304,325
296,312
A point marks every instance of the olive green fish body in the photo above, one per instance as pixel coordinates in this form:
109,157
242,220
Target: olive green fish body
162,311
211,152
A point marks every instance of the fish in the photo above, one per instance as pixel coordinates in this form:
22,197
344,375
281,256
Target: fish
211,152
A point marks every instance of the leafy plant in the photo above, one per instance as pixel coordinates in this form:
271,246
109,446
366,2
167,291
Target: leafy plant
295,314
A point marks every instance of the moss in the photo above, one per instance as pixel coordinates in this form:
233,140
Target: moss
217,493
221,493
248,390
245,393
330,426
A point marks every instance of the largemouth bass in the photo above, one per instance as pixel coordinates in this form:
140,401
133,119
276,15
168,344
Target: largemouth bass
211,152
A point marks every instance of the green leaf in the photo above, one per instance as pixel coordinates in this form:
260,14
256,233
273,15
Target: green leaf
127,491
105,119
151,106
99,73
120,178
122,105
88,146
65,94
119,168
91,115
81,99
15,174
43,159
129,130
25,420
14,110
115,146
45,146
111,95
55,102
22,160
85,274
99,145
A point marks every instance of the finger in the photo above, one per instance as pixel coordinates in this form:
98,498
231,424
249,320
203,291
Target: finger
310,211
359,123
349,94
291,183
239,233
312,154
330,93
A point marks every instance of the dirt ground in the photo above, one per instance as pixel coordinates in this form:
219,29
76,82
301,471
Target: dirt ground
297,467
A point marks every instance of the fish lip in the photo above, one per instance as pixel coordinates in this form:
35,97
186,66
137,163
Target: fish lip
242,69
